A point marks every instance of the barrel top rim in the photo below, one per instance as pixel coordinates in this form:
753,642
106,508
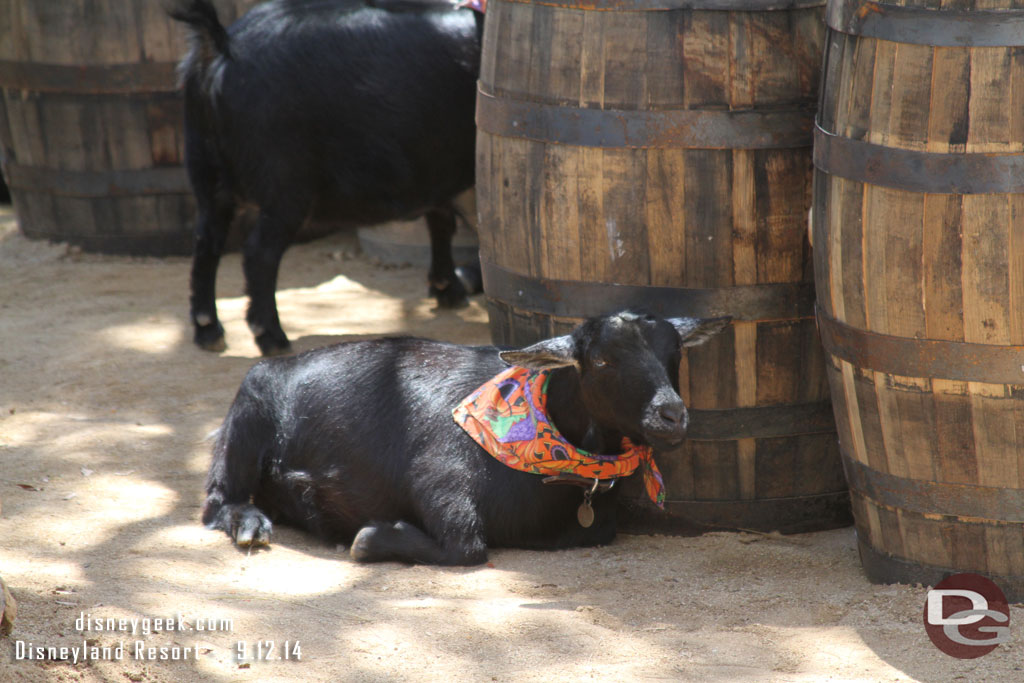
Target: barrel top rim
920,25
674,5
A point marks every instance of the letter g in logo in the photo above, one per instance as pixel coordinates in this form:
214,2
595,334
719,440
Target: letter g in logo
960,614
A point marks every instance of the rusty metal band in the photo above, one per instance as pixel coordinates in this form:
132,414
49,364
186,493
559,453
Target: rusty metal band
980,503
150,181
103,79
924,26
930,172
669,5
761,422
575,299
930,358
881,567
615,128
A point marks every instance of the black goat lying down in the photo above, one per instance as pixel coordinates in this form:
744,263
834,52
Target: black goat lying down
358,440
327,109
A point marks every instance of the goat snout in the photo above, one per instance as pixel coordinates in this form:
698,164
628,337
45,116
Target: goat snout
673,413
667,421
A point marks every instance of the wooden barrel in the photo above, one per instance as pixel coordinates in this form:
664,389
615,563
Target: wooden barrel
91,123
657,154
919,258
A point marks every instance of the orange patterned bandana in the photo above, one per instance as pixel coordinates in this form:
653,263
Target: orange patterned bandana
508,417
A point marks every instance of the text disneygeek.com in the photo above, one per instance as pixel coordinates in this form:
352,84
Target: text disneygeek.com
140,649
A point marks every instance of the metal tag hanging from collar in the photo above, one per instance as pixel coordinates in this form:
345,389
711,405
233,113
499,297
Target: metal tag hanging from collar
585,512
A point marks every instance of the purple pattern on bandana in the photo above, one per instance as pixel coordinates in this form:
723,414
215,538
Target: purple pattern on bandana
524,430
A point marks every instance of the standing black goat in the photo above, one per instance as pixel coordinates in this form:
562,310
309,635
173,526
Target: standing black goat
328,109
358,440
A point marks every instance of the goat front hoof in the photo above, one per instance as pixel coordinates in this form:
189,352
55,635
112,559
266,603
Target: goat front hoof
252,529
210,337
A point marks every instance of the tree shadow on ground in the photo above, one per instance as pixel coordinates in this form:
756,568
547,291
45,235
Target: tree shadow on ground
100,373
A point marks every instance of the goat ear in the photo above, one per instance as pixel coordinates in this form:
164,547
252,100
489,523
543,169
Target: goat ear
696,331
545,355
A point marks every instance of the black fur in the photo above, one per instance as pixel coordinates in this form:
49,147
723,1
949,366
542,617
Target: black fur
357,440
327,109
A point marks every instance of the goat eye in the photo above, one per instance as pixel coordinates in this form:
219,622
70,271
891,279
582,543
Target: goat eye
599,363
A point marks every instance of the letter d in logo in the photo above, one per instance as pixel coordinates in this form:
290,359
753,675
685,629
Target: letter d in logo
961,614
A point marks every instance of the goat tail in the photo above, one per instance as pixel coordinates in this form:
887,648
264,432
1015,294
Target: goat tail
209,37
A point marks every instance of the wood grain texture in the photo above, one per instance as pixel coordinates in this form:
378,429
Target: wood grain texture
130,125
671,215
928,265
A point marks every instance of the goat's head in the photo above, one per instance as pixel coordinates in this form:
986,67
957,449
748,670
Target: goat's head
628,365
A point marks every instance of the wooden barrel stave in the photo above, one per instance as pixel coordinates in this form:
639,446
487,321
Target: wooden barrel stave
943,265
653,171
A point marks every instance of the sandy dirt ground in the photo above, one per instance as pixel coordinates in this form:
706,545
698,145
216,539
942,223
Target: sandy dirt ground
104,408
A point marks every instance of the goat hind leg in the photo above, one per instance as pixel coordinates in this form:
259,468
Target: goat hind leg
264,247
212,223
445,285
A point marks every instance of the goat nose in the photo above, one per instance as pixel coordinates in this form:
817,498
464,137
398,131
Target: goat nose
673,413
